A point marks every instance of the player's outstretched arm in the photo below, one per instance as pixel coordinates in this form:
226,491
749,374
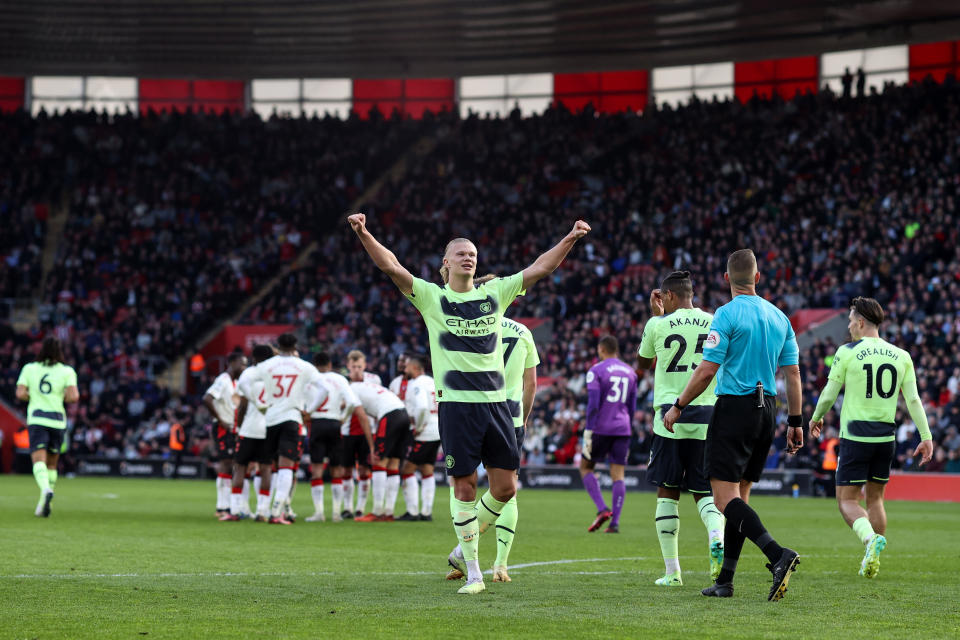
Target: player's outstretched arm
548,262
385,260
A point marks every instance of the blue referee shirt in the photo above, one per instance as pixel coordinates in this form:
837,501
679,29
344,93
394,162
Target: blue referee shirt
750,339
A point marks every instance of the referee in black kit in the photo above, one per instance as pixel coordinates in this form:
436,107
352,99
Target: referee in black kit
749,340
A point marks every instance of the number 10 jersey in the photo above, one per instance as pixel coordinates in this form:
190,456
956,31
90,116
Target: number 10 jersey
873,373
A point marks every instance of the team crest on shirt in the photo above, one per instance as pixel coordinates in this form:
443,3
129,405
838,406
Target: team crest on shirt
486,307
450,462
713,339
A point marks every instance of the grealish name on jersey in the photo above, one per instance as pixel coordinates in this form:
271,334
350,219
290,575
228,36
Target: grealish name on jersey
874,351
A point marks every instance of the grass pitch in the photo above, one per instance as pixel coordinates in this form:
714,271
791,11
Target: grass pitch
128,558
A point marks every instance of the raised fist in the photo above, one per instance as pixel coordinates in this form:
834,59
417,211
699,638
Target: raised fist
358,222
580,229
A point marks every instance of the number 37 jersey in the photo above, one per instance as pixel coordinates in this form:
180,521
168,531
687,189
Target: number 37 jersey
289,385
676,340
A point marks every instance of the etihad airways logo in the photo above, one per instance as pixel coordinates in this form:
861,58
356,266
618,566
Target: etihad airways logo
460,323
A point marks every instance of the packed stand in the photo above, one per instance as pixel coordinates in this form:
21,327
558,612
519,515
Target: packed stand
31,170
174,220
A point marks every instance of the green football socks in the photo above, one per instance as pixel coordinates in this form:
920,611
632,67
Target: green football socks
713,520
506,529
52,476
41,475
467,528
861,527
668,527
488,510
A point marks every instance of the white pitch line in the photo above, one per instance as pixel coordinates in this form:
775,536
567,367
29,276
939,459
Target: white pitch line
307,574
572,561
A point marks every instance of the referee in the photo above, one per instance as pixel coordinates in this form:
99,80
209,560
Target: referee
749,340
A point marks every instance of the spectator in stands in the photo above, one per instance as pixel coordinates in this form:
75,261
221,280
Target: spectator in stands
843,198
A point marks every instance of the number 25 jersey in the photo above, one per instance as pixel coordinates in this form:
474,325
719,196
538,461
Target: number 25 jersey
676,340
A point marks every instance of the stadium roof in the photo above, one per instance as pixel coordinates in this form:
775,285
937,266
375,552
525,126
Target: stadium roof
427,38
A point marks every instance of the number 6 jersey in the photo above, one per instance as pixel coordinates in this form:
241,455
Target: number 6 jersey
47,385
676,340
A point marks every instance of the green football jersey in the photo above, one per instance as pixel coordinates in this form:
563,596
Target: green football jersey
465,337
519,354
873,372
47,385
676,340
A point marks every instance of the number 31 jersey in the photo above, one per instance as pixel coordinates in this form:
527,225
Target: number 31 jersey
676,340
612,391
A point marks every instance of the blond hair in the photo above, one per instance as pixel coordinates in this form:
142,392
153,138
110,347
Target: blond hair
356,354
444,270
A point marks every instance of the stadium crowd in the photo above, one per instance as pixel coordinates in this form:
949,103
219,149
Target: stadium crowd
838,197
174,219
30,169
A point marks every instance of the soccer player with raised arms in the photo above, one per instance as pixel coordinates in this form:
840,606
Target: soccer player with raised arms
45,385
673,338
464,325
872,373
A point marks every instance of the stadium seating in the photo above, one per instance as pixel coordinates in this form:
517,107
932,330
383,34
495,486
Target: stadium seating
174,220
838,197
